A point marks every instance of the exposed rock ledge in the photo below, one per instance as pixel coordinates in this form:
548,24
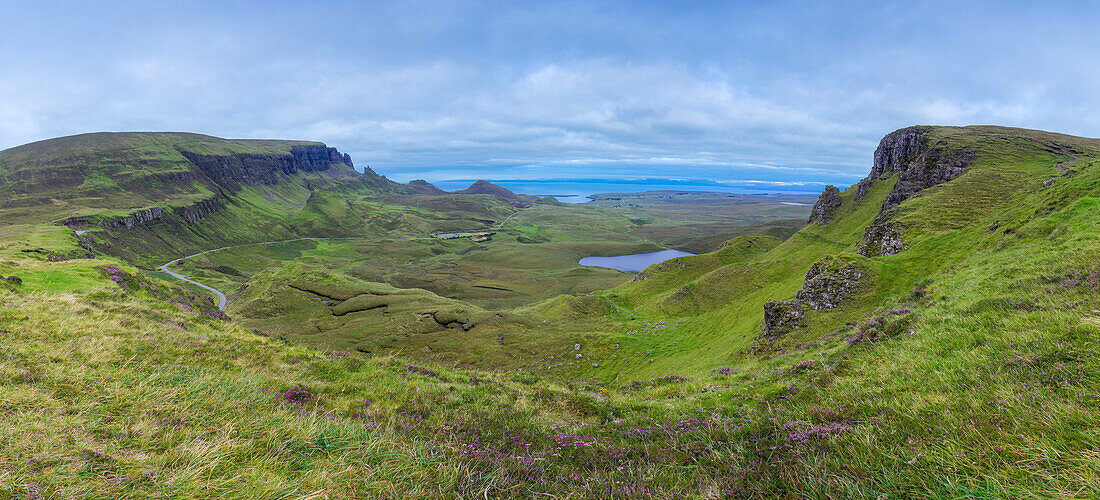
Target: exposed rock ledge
234,170
825,208
829,282
919,165
192,214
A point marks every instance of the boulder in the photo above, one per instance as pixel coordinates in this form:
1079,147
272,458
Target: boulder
829,282
782,317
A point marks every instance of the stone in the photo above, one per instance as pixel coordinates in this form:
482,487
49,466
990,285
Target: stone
782,317
829,282
825,208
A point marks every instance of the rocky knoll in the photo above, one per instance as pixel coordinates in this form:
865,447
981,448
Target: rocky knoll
828,283
825,208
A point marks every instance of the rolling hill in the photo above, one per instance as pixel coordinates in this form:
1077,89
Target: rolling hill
931,332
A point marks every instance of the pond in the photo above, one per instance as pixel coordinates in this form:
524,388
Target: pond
633,262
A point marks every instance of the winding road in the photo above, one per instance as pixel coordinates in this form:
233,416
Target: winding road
223,300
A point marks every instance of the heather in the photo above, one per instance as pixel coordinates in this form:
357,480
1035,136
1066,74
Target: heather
933,335
118,393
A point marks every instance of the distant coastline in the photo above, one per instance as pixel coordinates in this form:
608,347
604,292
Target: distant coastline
578,190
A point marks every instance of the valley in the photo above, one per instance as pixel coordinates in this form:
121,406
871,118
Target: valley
930,331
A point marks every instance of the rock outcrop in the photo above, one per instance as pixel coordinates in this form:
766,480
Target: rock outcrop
919,165
825,208
236,170
782,317
897,149
191,213
881,238
829,282
135,219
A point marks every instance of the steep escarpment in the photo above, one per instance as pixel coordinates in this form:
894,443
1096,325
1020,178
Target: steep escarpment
138,170
234,170
918,162
142,194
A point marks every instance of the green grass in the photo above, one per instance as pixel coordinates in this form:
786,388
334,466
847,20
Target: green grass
129,397
961,367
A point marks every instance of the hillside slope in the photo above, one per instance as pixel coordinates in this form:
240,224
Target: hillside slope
937,198
954,360
150,197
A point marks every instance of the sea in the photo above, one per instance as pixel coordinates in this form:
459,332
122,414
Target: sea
578,190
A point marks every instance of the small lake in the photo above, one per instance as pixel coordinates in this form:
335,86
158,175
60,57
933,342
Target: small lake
633,262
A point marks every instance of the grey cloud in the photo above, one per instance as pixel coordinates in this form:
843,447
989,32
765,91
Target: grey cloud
724,90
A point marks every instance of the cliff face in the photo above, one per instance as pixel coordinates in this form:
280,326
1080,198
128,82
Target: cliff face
233,171
191,214
921,165
896,149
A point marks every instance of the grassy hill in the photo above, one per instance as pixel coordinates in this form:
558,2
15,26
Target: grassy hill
931,333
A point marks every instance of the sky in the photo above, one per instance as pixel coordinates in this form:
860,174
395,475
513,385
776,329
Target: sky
770,92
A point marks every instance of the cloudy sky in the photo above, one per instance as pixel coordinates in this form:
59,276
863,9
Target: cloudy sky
728,91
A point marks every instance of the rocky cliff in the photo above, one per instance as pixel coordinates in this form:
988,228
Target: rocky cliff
826,206
233,171
192,214
918,163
